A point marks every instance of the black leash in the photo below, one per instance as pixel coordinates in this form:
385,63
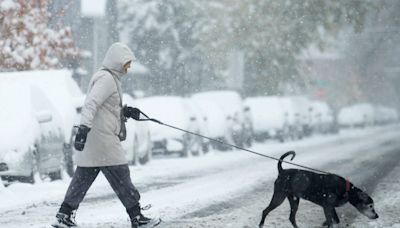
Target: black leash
228,144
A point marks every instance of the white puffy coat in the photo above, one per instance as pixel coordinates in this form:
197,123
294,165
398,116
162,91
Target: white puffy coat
101,112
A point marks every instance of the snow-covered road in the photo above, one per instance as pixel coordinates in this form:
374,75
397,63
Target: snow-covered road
226,189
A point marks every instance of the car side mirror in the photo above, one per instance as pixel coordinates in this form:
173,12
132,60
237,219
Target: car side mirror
44,116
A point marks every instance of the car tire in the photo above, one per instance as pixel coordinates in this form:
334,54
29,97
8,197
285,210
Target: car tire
27,179
145,159
196,147
68,160
185,152
32,177
205,147
148,156
57,175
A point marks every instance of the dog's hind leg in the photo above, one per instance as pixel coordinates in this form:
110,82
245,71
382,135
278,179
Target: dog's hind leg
277,199
294,205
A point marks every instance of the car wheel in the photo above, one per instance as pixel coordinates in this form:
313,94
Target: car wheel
187,144
55,175
205,147
195,146
147,157
34,176
185,152
68,160
200,150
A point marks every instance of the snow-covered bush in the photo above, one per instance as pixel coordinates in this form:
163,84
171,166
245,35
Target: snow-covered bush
26,41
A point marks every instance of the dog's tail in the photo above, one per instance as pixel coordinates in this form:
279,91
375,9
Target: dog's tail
283,157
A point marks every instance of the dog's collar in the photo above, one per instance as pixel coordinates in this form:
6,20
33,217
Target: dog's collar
346,194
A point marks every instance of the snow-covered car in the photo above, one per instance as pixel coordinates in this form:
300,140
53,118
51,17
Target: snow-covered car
302,110
385,115
358,115
231,104
322,118
32,138
174,111
292,118
65,96
138,144
216,123
268,117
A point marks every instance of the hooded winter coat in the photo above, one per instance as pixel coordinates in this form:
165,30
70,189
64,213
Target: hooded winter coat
101,112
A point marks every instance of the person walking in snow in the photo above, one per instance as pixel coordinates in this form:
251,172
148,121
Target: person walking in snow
99,139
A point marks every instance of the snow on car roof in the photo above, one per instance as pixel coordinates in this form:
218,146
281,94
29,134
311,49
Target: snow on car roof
229,101
58,86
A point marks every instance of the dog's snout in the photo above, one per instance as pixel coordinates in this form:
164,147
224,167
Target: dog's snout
376,216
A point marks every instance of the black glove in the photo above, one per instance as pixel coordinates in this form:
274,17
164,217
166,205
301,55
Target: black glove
130,112
80,138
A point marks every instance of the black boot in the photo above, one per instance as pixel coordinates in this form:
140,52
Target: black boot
65,217
139,220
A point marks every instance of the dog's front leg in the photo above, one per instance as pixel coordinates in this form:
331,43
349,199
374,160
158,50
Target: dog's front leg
336,219
329,215
335,216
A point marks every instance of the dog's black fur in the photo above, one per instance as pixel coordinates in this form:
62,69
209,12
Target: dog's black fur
325,190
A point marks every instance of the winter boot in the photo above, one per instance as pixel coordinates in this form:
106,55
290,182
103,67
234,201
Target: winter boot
138,220
65,217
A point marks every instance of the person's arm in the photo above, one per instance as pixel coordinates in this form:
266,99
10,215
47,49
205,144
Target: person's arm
102,88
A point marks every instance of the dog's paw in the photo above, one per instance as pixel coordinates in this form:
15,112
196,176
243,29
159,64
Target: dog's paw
334,225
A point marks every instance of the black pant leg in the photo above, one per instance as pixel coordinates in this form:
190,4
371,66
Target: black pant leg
120,180
80,184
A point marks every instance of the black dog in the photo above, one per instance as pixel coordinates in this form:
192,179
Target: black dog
327,190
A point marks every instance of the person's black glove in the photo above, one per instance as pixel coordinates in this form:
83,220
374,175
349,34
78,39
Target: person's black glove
80,138
130,112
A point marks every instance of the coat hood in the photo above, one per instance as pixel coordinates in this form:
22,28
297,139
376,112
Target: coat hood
117,55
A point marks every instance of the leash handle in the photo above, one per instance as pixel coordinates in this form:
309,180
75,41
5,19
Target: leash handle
148,118
231,145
